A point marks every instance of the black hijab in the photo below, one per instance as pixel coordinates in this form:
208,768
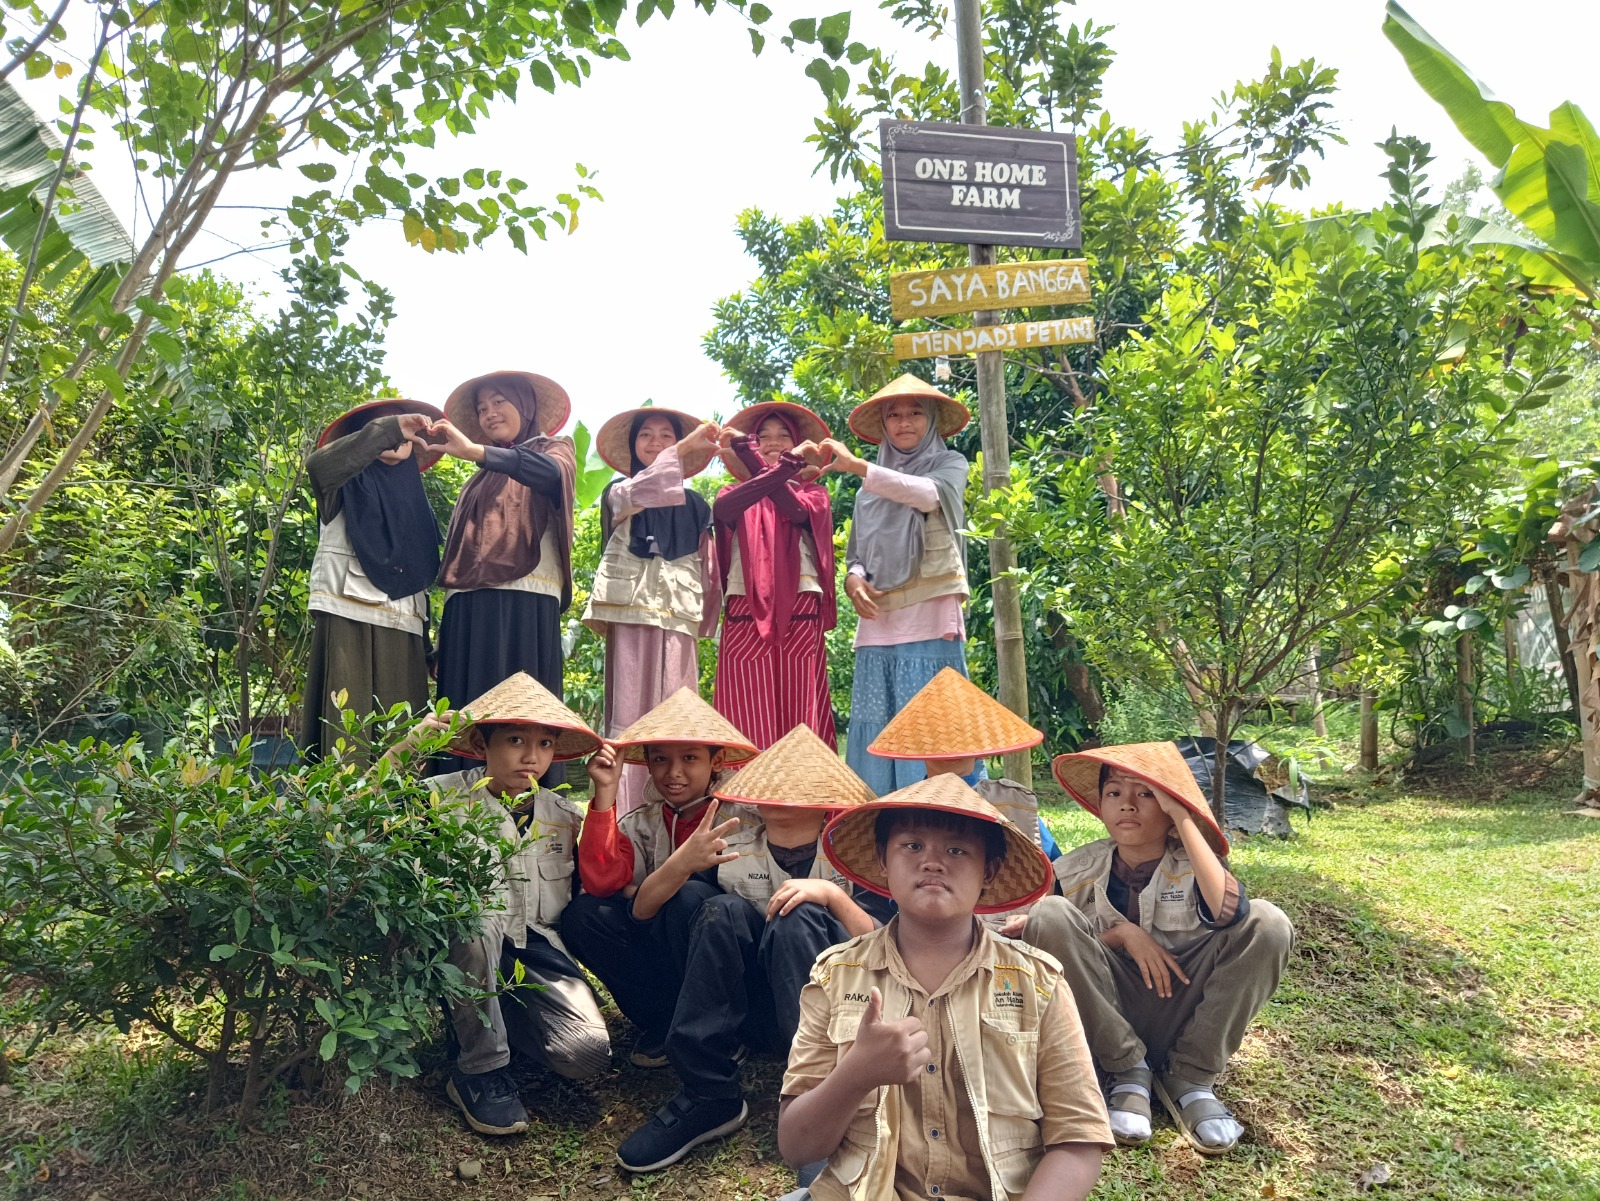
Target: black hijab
671,532
391,526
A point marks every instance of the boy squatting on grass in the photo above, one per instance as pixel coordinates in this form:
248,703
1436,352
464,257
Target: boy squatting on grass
518,729
749,948
1167,957
934,1058
633,937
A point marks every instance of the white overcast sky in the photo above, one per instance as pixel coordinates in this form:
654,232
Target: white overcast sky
694,129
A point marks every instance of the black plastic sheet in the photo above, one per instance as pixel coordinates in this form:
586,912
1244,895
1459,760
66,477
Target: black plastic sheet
1250,806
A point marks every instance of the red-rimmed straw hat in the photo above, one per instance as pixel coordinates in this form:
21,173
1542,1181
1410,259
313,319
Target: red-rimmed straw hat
1158,763
522,699
341,425
808,426
952,718
866,419
685,719
554,405
611,443
851,843
800,771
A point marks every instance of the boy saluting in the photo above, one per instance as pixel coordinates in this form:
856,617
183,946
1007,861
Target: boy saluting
936,1059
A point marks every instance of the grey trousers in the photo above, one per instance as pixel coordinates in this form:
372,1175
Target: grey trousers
552,1016
1232,974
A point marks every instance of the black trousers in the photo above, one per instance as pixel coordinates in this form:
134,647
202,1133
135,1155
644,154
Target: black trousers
640,963
742,977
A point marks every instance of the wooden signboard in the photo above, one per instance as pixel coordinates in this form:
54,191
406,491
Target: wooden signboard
984,185
1018,336
1002,286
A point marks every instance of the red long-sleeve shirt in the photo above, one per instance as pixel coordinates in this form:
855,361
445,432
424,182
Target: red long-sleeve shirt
605,855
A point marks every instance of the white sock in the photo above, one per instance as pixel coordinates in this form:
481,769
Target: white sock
1213,1132
1132,1126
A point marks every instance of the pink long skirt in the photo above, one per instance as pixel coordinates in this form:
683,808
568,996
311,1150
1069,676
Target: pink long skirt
644,666
766,690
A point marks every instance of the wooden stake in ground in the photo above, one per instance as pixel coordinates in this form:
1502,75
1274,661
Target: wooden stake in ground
992,424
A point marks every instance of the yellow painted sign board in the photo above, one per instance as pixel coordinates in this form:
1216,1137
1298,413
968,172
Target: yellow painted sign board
1001,286
1022,335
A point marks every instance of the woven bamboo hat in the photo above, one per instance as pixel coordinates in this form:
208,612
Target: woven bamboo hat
684,717
866,419
807,425
611,443
347,423
1157,763
850,841
554,404
521,698
952,718
799,770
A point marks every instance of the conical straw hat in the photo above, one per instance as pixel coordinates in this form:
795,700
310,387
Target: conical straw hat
521,698
554,405
1158,763
800,770
684,717
850,841
952,718
866,419
811,428
342,424
611,443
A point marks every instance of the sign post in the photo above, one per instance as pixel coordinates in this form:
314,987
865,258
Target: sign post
994,429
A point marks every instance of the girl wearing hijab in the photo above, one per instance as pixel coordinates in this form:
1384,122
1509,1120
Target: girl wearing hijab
907,562
775,556
377,554
507,569
656,590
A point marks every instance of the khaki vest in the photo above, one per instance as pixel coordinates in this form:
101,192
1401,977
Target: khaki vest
942,572
1169,907
647,832
537,883
994,1016
755,875
340,587
652,591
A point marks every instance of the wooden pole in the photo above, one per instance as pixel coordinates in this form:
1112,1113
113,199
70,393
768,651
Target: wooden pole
1369,730
1319,719
993,427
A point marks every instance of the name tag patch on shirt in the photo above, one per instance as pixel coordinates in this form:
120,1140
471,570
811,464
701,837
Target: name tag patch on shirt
1174,894
1007,997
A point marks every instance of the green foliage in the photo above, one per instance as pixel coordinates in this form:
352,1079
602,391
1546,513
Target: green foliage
1549,177
1291,440
288,919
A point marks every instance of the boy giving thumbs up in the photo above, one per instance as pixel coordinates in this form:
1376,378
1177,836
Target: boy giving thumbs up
935,1058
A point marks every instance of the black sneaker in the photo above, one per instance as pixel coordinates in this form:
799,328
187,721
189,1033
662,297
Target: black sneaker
649,1050
489,1101
682,1124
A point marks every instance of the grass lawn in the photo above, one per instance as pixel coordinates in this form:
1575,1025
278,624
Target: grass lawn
1437,1035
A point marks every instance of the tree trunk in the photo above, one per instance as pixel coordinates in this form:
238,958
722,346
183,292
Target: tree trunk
1222,720
1464,681
1558,622
1369,731
218,1076
1319,720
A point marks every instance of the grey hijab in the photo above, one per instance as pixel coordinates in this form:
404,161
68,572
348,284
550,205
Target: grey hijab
886,536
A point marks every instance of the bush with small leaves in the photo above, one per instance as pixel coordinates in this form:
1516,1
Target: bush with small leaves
260,922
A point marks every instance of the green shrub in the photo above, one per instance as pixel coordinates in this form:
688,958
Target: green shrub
1141,712
259,923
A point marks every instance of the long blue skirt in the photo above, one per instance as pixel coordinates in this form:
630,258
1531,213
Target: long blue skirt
886,678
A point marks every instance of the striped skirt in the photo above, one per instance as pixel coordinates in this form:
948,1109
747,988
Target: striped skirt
766,690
